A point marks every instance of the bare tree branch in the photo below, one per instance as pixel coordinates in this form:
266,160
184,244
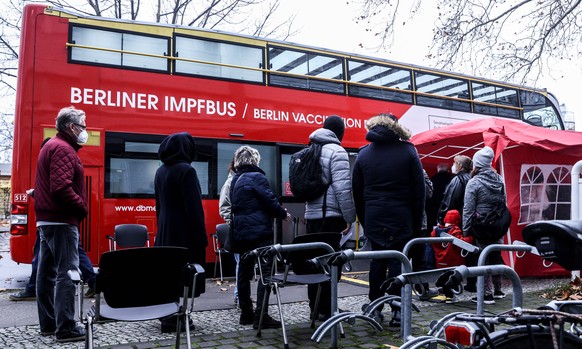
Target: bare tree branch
514,39
254,17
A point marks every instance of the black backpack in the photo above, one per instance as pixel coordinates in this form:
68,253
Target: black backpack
490,227
306,175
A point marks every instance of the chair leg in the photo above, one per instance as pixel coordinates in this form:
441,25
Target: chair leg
187,322
215,263
316,306
89,332
178,330
281,317
263,309
220,263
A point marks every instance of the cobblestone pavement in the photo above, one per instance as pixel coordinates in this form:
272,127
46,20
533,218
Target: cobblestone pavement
220,328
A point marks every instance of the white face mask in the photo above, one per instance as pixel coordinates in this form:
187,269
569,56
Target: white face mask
82,137
454,169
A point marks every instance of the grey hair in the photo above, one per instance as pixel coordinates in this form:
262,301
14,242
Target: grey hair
246,155
465,162
67,116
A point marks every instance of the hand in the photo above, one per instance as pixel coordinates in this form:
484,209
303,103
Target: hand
347,229
288,218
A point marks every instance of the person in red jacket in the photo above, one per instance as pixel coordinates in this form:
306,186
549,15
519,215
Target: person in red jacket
60,205
449,255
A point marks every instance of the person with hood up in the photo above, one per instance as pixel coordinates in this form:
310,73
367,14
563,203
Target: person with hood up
339,208
484,191
389,194
253,205
449,255
179,211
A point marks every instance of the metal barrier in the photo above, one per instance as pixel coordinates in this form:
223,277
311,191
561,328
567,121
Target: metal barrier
333,321
482,261
405,301
460,274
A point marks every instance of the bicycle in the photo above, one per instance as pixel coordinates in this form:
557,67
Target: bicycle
557,325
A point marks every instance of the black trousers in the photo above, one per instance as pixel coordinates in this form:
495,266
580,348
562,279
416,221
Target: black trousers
331,225
245,275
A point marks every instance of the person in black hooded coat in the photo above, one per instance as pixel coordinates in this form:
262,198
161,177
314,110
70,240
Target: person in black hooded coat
179,209
179,198
389,193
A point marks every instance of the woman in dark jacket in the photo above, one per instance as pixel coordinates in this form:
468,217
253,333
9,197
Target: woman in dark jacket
389,193
253,205
179,203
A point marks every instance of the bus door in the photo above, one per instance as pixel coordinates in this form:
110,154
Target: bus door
89,229
289,230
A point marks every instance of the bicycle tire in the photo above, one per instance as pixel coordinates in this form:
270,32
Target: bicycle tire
521,337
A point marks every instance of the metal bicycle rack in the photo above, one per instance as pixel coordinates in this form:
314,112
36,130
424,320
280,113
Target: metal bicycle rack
481,263
332,322
405,299
461,273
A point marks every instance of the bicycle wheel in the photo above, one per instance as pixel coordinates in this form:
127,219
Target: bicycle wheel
536,337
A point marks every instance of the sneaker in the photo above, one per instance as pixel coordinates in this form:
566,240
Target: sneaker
75,335
395,321
438,299
23,296
488,299
451,300
428,294
498,294
378,316
90,293
268,322
470,288
46,333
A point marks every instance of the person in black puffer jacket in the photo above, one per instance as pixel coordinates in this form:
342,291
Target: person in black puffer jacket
253,205
389,193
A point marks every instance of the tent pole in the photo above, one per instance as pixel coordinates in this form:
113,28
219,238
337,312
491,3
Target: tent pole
575,205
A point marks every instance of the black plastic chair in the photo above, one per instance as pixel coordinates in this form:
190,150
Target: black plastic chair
301,267
128,235
219,241
140,284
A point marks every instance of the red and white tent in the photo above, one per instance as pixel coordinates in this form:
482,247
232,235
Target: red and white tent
535,163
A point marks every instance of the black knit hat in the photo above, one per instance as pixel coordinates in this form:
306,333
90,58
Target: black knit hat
336,124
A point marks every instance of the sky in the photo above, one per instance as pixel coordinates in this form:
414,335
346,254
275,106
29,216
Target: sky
330,24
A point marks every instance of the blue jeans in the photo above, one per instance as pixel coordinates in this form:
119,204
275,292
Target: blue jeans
237,261
84,264
55,292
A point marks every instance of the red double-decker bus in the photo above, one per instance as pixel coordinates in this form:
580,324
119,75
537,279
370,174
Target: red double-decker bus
139,82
